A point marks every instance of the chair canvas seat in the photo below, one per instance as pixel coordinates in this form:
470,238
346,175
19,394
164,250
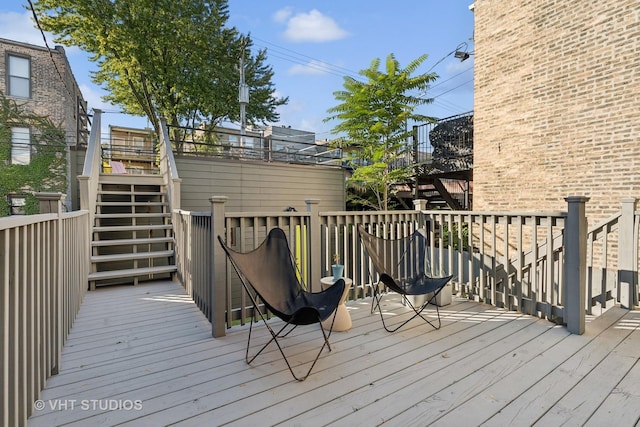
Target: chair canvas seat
268,274
419,285
400,264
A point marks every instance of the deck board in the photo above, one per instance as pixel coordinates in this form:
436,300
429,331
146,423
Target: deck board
150,343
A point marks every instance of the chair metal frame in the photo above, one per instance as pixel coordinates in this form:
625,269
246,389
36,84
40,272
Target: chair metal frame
307,313
412,282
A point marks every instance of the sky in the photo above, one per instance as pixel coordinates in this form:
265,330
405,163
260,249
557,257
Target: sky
311,45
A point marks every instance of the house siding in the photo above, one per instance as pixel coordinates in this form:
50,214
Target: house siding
257,186
557,104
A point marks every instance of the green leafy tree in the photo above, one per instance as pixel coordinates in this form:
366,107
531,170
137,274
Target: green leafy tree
373,117
166,58
46,171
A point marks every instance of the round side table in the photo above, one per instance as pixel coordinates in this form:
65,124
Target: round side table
343,318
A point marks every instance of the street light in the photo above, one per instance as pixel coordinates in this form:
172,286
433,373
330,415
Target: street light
461,55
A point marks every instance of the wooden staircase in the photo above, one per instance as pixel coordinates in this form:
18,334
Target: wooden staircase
132,235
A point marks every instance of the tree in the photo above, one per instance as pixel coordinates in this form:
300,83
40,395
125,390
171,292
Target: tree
166,58
373,118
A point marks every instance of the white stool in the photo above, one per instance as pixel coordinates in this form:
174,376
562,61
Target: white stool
343,318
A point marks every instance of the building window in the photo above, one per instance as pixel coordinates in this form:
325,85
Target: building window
19,72
20,146
17,202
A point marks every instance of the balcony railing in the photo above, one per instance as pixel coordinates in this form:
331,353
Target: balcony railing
253,146
535,263
44,264
541,264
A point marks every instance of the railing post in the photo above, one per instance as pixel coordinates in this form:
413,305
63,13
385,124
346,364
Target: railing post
218,293
575,264
627,264
53,203
420,205
314,243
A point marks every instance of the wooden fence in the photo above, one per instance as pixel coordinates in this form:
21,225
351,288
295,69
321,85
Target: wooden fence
44,264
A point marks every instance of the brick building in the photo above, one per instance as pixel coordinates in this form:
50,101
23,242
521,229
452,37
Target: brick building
40,81
557,104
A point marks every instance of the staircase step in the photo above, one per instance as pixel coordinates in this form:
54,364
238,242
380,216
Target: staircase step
132,203
145,227
130,179
129,256
145,241
129,193
134,215
131,272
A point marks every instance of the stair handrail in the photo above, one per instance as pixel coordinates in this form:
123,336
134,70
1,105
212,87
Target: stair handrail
88,181
168,168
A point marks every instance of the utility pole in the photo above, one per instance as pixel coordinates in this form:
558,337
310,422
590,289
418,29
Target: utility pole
244,100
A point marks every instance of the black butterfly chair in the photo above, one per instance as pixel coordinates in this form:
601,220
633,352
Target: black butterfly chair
401,266
268,275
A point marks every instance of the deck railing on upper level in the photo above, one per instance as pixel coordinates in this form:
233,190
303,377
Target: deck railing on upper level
44,264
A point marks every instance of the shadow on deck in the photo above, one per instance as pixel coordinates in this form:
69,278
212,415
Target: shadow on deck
144,355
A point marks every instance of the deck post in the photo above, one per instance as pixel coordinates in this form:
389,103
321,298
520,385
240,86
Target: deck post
218,291
627,255
575,264
314,244
420,205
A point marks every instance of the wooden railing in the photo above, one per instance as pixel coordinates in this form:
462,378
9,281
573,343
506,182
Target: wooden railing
88,181
508,260
193,240
168,168
539,267
44,264
612,260
339,235
532,278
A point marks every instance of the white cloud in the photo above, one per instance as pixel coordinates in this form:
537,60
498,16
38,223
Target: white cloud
93,98
313,27
282,15
310,68
294,106
19,27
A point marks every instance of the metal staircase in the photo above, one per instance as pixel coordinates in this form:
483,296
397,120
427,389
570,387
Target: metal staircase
132,235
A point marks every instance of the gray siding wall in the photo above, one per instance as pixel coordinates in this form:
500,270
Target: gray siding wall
257,186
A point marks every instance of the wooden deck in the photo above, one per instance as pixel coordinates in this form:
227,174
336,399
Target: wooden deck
144,355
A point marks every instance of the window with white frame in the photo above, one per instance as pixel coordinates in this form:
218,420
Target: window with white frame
20,146
19,72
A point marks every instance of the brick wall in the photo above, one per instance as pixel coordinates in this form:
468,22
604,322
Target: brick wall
49,95
557,104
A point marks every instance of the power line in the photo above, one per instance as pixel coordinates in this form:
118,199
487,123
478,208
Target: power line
338,68
454,88
35,17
